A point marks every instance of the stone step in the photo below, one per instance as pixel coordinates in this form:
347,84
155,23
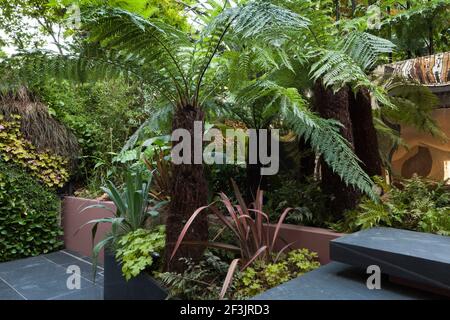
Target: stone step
421,258
339,281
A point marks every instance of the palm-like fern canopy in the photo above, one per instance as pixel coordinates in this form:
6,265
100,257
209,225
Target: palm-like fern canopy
183,69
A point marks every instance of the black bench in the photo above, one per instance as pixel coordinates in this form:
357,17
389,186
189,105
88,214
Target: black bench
421,258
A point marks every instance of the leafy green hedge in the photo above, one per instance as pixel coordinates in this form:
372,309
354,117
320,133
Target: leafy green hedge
29,214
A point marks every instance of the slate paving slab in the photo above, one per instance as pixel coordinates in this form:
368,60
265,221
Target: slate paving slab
60,257
414,256
93,292
8,293
338,281
87,271
45,277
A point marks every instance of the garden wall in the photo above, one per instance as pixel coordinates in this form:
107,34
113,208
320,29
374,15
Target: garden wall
80,240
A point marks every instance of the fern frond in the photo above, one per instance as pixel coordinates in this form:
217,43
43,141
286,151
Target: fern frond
323,134
258,19
419,10
156,43
414,105
365,49
337,69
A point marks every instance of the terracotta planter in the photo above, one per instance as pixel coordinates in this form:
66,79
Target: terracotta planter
80,240
315,239
312,238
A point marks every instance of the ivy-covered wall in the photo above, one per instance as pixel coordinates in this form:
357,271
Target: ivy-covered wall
29,206
29,215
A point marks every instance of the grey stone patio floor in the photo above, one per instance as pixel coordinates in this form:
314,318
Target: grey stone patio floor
45,277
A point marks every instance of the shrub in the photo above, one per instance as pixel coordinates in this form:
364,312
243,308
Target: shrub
199,281
418,205
219,176
29,215
137,249
247,223
48,168
262,276
90,111
204,280
307,198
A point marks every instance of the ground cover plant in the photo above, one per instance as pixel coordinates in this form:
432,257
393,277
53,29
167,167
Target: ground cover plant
50,169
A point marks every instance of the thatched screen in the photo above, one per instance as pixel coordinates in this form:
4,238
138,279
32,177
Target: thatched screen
38,126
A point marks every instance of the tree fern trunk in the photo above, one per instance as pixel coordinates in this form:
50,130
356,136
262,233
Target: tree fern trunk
364,133
307,160
254,178
336,106
354,4
337,10
189,191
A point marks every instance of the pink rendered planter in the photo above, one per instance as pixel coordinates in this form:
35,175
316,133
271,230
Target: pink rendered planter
312,238
72,220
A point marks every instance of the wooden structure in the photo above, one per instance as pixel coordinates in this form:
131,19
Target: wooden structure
426,155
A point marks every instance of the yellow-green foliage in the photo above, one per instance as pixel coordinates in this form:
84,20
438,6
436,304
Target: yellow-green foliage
135,250
262,276
50,169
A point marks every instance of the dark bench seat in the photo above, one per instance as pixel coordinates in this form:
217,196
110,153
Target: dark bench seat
421,258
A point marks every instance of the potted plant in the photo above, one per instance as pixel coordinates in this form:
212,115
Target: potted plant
135,243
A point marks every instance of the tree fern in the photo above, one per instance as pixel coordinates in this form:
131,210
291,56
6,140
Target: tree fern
349,60
176,66
322,134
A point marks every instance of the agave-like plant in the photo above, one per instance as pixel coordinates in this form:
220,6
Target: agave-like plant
135,209
249,225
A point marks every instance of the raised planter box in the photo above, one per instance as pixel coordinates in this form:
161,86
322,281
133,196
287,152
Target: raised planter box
312,238
116,287
80,240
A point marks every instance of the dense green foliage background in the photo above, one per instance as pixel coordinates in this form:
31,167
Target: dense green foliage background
29,216
102,116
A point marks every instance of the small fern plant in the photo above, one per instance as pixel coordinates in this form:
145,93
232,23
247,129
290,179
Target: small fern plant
417,204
